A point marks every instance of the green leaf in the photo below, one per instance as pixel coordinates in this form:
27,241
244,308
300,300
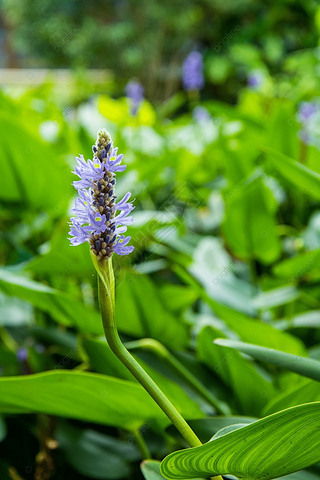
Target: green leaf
276,297
305,392
296,268
32,175
62,307
83,396
303,366
250,226
254,331
250,388
306,180
271,447
95,454
151,470
137,298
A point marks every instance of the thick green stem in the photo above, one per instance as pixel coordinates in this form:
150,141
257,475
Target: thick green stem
162,351
138,372
106,300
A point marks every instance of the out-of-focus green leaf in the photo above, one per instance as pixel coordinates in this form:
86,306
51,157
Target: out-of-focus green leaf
140,312
275,297
62,259
306,180
94,454
250,226
60,306
303,366
276,445
31,173
304,392
295,268
251,390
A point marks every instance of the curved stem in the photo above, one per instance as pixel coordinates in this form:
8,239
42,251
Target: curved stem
157,347
138,372
106,300
141,444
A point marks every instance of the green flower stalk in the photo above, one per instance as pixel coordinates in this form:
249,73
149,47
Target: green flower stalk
97,223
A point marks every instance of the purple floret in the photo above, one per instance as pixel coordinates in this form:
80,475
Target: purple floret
192,72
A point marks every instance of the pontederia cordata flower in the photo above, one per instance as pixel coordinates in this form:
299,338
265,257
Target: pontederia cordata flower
96,219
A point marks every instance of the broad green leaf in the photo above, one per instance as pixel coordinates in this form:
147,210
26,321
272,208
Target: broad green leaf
62,259
33,175
271,447
151,470
251,390
215,270
306,180
305,392
303,366
62,307
83,396
250,226
276,297
140,311
95,454
104,361
296,268
177,297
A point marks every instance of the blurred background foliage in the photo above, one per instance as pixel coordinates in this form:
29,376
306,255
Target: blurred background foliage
226,228
143,38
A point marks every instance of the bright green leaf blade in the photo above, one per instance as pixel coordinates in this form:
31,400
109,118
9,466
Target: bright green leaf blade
83,396
306,391
151,470
274,446
302,177
250,388
303,366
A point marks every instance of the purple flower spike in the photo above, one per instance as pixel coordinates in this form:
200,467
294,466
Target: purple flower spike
95,208
192,72
134,91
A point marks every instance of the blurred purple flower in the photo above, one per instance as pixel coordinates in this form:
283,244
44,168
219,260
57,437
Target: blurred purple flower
307,110
96,221
22,354
255,79
192,72
201,114
308,117
135,92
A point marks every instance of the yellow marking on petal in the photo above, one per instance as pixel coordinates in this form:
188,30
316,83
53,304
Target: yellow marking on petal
98,219
112,159
96,165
